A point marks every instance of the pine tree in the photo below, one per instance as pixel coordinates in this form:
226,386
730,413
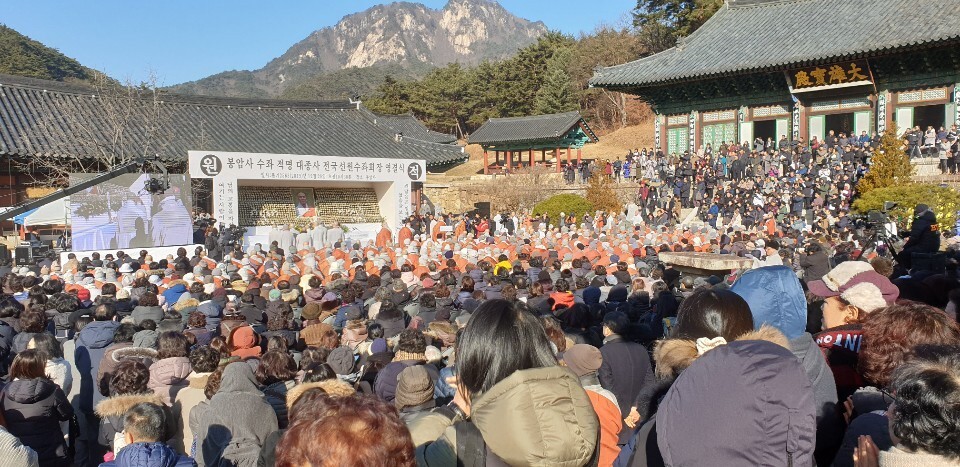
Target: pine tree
392,97
556,95
889,165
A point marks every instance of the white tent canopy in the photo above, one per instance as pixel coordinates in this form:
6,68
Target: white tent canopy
55,213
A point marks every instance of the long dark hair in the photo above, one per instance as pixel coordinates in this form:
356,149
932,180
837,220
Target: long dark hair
500,339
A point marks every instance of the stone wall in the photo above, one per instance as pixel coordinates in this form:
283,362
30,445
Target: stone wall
513,192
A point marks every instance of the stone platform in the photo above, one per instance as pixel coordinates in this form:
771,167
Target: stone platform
705,264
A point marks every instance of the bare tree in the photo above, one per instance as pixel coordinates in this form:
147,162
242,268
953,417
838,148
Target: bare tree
88,133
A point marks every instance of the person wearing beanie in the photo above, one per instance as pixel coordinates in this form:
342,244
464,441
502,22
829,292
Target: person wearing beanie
244,342
626,369
414,393
342,361
411,346
584,361
274,295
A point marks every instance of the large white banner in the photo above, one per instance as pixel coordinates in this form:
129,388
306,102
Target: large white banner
254,166
229,169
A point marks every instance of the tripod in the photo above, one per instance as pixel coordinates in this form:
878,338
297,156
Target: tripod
881,241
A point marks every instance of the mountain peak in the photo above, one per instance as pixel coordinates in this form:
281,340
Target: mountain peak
401,33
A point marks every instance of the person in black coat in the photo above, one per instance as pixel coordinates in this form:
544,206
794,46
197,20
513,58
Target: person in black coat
923,237
814,262
34,406
626,368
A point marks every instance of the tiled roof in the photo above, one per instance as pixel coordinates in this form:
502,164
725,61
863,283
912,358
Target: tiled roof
754,35
523,129
52,119
410,127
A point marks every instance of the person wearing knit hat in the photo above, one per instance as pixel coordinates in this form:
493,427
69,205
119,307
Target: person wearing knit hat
414,393
274,295
342,361
411,346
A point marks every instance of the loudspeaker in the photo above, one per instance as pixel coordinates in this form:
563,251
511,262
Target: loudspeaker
483,209
23,256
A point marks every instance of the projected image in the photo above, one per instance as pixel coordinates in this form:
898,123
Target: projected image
122,214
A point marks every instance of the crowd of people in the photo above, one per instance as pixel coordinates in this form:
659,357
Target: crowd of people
497,341
517,339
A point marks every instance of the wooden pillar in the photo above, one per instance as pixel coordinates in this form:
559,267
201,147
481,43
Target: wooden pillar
568,157
509,160
531,159
486,164
556,157
579,155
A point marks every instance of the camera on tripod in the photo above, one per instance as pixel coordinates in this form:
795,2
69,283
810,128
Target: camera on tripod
877,218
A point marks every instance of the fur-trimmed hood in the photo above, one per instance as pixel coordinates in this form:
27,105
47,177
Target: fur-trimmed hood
183,304
334,387
144,355
675,355
117,406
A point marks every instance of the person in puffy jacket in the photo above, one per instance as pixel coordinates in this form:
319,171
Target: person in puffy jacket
512,406
34,406
776,299
745,403
144,432
14,451
173,292
169,372
128,387
277,374
236,422
214,314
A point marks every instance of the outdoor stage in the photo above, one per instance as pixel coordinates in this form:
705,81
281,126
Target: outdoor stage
261,191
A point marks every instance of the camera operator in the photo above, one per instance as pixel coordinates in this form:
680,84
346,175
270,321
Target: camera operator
924,236
814,261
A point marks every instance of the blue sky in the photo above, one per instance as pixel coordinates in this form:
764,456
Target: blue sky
181,40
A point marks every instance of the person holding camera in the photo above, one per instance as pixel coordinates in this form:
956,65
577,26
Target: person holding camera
924,236
814,262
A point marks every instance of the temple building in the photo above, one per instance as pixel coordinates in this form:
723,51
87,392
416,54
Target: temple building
544,140
799,69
